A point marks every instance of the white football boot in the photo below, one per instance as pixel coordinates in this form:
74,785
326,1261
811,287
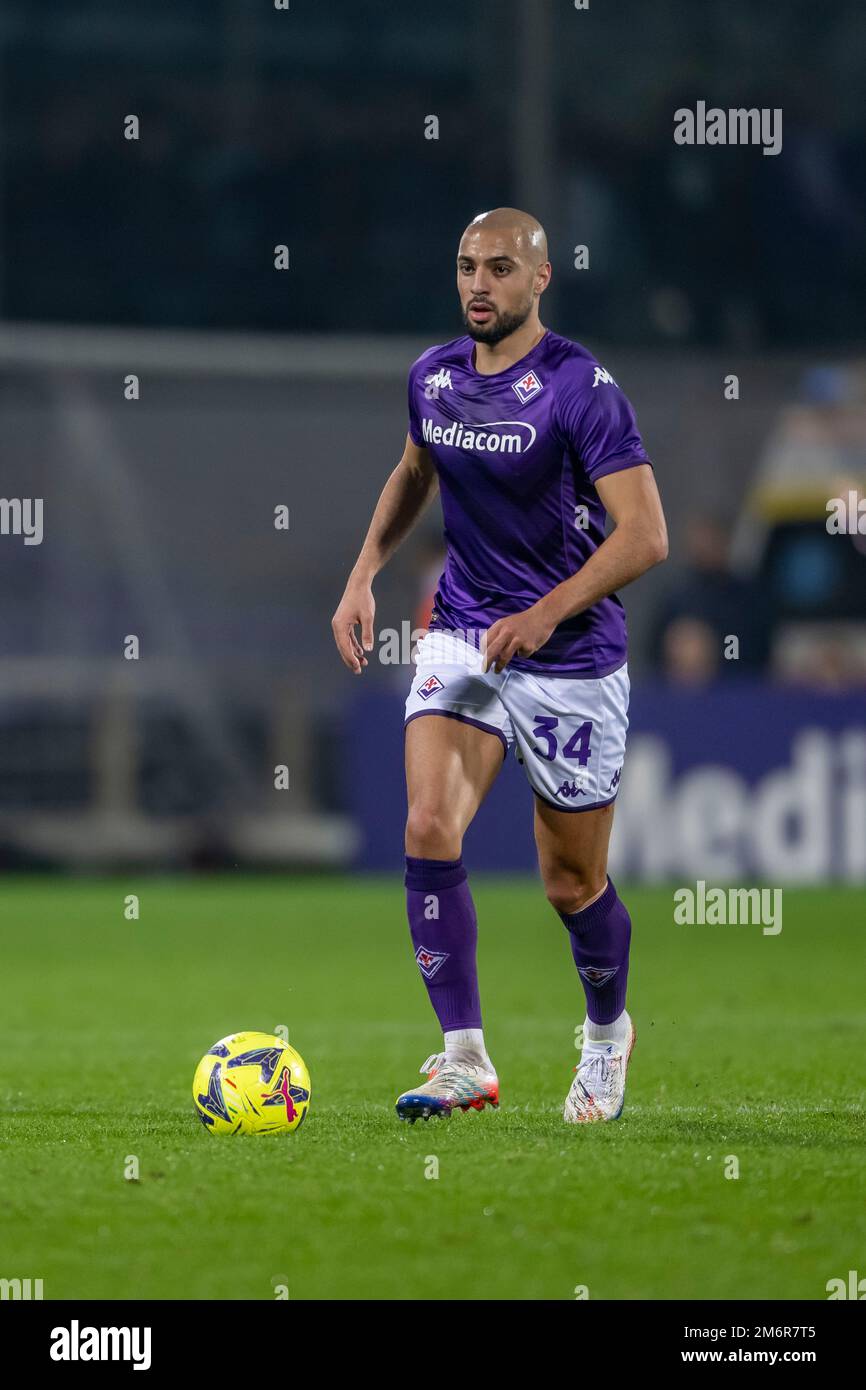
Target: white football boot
598,1089
452,1085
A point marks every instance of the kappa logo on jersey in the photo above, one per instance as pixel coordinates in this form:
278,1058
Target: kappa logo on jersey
430,961
440,379
603,377
430,686
527,387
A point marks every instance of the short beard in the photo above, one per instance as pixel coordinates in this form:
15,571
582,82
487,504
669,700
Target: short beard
502,327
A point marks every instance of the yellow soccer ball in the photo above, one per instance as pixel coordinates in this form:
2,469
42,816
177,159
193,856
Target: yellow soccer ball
251,1083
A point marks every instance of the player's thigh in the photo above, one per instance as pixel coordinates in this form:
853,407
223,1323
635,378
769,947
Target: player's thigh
451,765
457,733
572,853
571,737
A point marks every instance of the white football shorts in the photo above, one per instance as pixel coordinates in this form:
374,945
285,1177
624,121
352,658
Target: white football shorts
568,734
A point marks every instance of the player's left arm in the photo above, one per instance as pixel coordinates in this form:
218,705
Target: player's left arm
638,541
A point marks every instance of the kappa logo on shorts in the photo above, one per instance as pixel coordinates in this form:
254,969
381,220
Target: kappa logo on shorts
430,961
595,976
614,781
430,686
571,789
527,387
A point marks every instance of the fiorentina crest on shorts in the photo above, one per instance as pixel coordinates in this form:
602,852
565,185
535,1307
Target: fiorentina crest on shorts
527,387
430,686
429,961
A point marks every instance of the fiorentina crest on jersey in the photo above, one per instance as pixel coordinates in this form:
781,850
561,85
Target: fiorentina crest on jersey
430,686
527,387
429,961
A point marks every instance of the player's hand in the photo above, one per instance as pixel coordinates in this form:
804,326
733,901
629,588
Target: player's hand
520,634
357,608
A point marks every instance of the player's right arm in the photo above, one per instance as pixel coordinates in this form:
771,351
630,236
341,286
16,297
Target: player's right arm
404,497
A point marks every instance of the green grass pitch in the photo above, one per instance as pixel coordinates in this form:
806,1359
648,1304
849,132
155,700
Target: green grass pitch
747,1045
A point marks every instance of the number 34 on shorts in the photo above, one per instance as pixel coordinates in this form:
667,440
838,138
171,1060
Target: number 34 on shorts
568,734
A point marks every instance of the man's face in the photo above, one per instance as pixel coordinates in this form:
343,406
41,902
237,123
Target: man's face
496,281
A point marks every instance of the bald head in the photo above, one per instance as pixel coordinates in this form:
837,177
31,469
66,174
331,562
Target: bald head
502,272
524,231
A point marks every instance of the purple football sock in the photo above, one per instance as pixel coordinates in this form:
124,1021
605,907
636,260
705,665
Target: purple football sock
444,933
600,937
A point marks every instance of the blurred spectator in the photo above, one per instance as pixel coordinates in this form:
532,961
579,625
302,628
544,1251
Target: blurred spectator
812,573
706,606
826,656
690,652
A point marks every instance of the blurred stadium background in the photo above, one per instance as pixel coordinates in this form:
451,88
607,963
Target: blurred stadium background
260,389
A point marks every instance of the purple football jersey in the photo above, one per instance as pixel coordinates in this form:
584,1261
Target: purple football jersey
518,455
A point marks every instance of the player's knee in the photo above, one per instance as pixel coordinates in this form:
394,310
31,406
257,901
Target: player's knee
570,890
432,833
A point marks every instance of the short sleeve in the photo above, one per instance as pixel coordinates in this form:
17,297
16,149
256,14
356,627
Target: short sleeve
599,424
414,422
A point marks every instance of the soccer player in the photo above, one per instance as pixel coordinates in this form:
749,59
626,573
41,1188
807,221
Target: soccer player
532,444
